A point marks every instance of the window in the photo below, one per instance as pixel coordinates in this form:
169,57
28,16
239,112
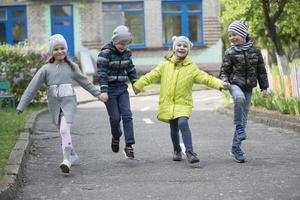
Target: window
13,26
130,14
182,18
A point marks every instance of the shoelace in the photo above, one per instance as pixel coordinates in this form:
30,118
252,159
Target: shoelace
192,153
114,141
238,151
130,149
240,130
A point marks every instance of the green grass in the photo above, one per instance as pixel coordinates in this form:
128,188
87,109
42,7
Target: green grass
11,124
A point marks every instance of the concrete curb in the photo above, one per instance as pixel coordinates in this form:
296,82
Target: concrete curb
10,182
270,118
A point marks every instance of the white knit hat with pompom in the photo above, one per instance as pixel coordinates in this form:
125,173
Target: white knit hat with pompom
57,39
182,38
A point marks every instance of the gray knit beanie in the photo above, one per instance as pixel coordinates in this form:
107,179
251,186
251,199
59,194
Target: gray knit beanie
57,39
121,34
239,27
177,39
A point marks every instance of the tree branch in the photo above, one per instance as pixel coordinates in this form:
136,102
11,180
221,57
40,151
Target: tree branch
266,9
279,10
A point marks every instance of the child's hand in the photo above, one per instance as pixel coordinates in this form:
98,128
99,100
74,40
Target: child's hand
19,112
135,90
225,86
103,97
265,93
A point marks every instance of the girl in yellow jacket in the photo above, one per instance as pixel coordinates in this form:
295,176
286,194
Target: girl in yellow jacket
177,74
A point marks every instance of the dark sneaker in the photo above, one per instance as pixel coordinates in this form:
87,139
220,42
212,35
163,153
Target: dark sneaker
192,157
177,156
115,145
237,154
129,153
240,133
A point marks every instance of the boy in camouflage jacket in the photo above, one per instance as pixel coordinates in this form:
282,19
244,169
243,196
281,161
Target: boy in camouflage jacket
242,67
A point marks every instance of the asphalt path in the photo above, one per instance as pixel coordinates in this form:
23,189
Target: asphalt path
272,170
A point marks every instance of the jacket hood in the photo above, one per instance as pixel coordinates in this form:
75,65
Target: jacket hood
109,46
187,60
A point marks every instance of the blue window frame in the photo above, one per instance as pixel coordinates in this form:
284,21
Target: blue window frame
13,24
130,14
182,18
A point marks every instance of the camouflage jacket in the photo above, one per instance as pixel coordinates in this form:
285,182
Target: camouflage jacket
114,68
244,68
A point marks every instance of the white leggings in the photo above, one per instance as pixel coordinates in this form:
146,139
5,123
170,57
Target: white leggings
64,130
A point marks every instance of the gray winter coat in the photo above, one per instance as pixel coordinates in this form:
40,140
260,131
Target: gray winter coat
59,79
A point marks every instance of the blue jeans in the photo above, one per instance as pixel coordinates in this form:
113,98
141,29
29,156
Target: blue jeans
242,102
181,124
118,107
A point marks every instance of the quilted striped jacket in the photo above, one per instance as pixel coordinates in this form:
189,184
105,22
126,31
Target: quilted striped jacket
114,68
176,82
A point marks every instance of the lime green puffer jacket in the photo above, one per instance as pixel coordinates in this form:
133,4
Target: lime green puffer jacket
176,82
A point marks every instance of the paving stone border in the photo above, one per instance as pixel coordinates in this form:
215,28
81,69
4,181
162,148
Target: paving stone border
10,182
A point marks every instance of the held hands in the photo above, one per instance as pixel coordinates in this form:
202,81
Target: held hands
103,97
225,86
135,90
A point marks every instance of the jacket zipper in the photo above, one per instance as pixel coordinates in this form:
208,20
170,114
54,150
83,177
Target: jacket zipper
175,91
246,69
118,70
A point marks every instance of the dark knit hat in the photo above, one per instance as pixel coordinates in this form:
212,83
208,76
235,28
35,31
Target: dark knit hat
239,27
121,34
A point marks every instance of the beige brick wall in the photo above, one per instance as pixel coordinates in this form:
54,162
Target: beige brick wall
212,30
153,23
11,3
89,31
36,22
211,23
90,24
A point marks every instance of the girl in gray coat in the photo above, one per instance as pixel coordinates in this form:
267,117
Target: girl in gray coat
58,74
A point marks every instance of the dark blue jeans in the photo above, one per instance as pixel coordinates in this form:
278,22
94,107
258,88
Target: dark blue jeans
118,107
181,124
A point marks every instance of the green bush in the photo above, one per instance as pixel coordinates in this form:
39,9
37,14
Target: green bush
18,64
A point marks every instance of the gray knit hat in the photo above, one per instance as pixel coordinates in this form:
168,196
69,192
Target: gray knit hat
56,39
177,39
239,27
121,34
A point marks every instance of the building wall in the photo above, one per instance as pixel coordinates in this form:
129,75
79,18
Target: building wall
88,29
38,22
153,24
90,24
208,57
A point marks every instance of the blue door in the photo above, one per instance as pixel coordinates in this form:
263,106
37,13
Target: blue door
62,23
13,25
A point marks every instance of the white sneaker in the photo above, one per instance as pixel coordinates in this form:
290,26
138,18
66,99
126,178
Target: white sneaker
73,158
65,166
